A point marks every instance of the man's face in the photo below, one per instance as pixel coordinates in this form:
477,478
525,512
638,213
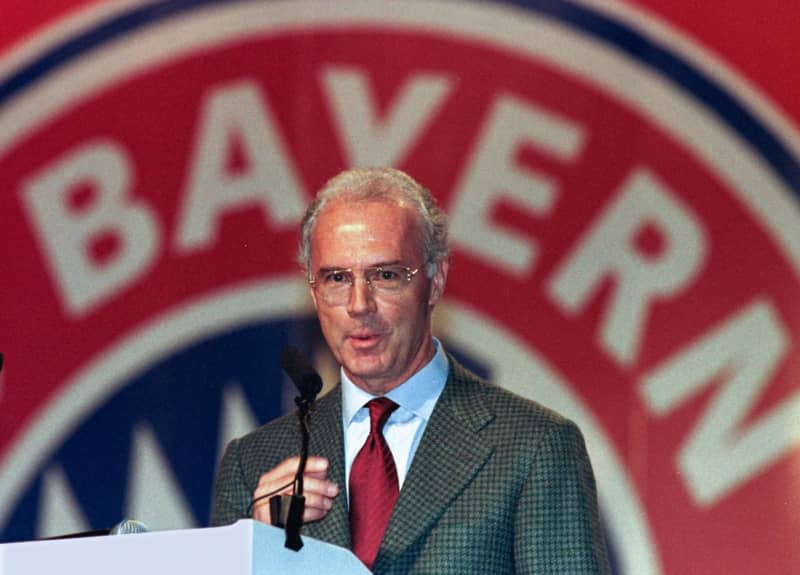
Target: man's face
379,340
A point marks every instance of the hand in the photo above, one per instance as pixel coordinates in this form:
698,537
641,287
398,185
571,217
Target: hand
318,491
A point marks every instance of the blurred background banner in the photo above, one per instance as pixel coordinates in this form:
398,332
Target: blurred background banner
623,180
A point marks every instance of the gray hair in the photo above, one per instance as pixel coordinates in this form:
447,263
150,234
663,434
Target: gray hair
381,184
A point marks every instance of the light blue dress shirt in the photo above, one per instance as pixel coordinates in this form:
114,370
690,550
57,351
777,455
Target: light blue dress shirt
416,397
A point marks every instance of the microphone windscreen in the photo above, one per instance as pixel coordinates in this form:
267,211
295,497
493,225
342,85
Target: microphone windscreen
127,526
300,370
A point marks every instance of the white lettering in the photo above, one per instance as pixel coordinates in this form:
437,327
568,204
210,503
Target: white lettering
235,115
609,250
60,511
154,493
722,453
493,175
66,235
368,140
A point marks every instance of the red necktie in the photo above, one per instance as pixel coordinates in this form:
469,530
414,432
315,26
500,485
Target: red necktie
373,485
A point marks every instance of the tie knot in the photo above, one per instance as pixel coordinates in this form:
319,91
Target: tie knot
379,411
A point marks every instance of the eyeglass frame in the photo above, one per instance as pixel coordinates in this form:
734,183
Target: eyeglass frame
410,273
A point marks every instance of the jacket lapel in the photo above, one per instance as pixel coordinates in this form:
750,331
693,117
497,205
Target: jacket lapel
327,440
450,454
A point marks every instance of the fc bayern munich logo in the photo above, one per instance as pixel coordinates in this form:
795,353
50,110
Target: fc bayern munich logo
625,232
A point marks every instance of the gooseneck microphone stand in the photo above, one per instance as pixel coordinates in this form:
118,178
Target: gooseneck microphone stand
287,510
297,501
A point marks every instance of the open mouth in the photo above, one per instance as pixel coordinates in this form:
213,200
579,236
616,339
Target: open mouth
363,340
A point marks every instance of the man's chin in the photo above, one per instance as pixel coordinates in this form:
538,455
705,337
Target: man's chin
365,373
362,370
364,359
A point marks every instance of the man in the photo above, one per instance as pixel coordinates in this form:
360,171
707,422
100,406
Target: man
477,480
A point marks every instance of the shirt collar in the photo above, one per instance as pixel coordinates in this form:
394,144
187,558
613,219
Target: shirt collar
417,395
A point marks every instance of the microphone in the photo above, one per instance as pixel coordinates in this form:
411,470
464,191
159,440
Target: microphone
124,527
301,372
128,526
287,510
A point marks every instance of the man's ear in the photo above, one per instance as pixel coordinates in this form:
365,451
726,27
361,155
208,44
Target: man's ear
438,282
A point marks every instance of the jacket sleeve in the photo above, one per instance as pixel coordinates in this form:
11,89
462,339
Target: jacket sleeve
557,524
231,494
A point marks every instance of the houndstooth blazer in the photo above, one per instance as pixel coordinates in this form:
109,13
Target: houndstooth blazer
498,485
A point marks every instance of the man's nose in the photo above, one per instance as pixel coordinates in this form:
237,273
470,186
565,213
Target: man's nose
362,300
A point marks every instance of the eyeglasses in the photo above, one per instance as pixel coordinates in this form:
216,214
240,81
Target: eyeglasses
334,286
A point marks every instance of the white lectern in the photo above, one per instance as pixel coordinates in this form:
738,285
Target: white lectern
246,548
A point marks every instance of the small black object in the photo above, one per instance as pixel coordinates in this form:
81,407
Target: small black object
302,373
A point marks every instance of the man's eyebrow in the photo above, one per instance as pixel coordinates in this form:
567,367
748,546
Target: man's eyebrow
375,265
326,270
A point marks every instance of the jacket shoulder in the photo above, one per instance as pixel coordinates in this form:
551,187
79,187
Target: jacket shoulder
475,393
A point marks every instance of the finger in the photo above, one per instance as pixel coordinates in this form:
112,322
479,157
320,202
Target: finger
318,501
324,487
316,464
317,506
286,470
310,515
286,467
319,495
278,476
271,483
280,480
261,512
